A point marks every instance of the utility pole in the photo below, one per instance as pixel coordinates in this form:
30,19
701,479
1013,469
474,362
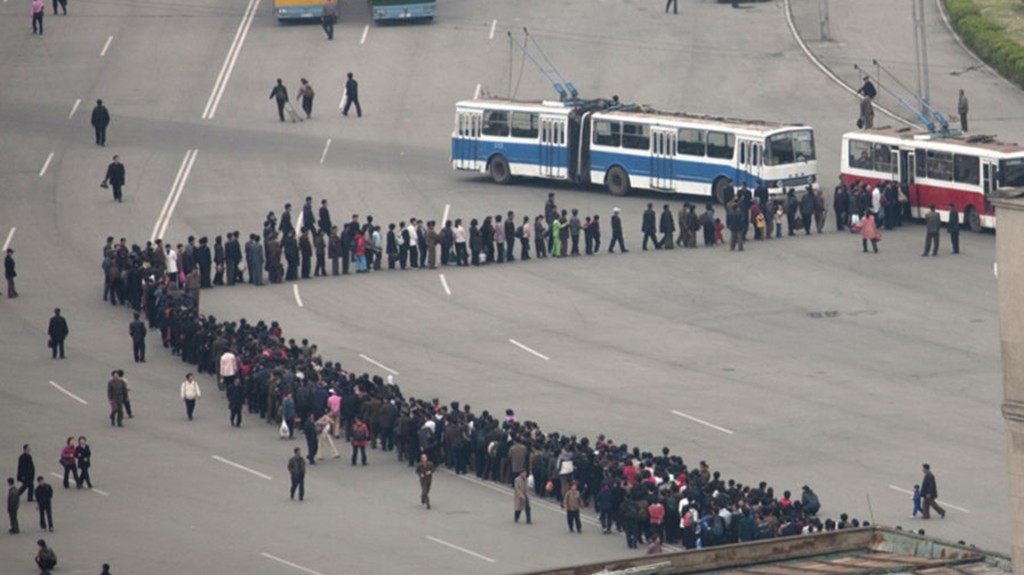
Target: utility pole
823,24
920,50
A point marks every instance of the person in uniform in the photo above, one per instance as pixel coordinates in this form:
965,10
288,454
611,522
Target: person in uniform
425,471
116,392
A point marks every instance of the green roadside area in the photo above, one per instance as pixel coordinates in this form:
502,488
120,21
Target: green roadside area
994,30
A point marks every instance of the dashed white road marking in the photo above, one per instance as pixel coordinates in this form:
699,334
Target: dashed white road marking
462,549
366,31
46,164
7,242
533,351
295,290
327,146
106,46
68,393
74,108
494,26
444,284
242,467
378,364
702,422
290,564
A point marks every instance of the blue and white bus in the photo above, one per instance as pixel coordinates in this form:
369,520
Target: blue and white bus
396,10
628,147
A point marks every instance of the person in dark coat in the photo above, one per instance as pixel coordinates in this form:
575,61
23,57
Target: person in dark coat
58,332
312,439
667,226
26,472
10,273
115,177
306,251
236,397
219,259
807,205
291,256
137,331
325,218
953,227
13,501
204,259
44,502
617,234
308,221
841,206
929,493
648,227
100,121
232,258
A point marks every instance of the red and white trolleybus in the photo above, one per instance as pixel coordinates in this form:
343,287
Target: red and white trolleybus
935,169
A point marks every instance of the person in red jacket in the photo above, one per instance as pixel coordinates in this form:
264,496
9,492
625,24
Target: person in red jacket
360,436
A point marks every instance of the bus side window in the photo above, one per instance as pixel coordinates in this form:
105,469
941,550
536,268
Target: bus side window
691,142
883,158
607,133
721,145
860,155
636,136
495,123
922,162
525,125
940,166
966,169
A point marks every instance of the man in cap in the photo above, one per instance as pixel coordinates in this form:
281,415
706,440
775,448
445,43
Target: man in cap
616,232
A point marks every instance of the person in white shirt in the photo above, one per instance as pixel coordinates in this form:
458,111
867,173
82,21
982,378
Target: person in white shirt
460,237
190,393
228,368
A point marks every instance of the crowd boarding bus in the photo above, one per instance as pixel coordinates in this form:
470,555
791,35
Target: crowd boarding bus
629,147
299,9
389,10
937,170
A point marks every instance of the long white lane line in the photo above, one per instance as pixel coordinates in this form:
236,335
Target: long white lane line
702,422
444,218
106,46
494,25
524,348
7,242
74,108
939,501
290,564
229,60
327,146
298,299
378,364
46,164
366,31
444,284
175,194
68,393
462,549
242,467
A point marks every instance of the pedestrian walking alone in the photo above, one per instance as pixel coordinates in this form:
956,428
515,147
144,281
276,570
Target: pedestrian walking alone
305,95
962,108
352,96
297,471
328,18
137,331
932,224
10,273
521,496
425,471
190,393
929,494
58,332
115,177
100,121
38,9
280,96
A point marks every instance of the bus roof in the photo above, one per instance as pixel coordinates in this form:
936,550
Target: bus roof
710,121
908,136
540,106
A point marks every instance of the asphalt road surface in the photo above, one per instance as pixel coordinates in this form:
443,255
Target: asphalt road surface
800,361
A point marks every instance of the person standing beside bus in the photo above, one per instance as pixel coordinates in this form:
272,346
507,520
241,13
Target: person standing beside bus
328,18
932,223
352,96
305,95
953,227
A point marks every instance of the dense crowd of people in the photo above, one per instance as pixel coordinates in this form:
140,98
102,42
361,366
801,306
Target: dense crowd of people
648,496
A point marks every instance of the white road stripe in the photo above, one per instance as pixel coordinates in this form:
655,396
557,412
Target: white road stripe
494,25
702,422
7,242
103,52
444,284
103,493
378,364
229,61
444,218
242,467
476,93
366,31
46,164
290,564
462,549
939,501
68,393
74,108
327,146
160,227
524,348
295,289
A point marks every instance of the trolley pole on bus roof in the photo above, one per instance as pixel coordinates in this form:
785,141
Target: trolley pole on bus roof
920,50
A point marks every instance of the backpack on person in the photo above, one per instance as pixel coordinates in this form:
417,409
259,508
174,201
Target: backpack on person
359,433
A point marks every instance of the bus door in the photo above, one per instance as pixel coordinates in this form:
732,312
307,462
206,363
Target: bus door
663,153
905,166
464,150
552,147
990,182
748,162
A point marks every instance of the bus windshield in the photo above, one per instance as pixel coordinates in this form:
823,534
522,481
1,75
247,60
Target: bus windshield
789,147
1011,173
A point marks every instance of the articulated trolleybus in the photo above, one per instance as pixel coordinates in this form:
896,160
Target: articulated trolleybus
628,147
935,169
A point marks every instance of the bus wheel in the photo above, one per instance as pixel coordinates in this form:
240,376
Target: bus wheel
617,181
718,190
498,168
973,219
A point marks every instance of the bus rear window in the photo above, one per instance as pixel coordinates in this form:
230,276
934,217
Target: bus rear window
721,145
495,123
1011,173
607,133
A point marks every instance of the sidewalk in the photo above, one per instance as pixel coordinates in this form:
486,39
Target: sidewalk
866,30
